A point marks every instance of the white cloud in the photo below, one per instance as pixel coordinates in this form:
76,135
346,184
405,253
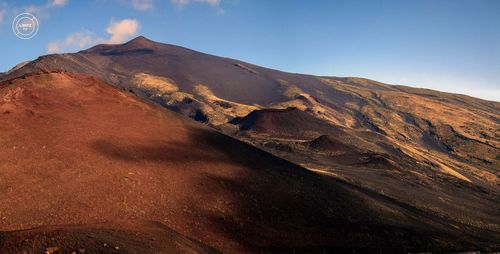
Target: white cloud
122,30
53,47
213,3
119,32
182,3
59,2
142,5
3,12
80,40
42,11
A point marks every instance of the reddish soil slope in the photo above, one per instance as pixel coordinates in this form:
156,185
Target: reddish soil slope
101,238
76,151
456,131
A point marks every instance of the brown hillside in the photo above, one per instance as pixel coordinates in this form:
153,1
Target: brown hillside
329,144
290,122
76,151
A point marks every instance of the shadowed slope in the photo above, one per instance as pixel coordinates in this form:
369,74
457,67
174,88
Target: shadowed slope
100,238
77,151
426,124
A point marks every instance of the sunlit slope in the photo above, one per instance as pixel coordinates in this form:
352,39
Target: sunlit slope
78,151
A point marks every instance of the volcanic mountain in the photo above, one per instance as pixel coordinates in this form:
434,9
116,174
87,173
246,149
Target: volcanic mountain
216,90
290,122
88,149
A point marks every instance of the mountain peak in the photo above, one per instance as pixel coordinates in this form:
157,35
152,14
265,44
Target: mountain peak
140,38
141,41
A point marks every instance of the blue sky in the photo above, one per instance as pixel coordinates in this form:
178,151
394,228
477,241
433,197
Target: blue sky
447,45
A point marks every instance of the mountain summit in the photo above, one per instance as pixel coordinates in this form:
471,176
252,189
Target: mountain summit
139,42
326,163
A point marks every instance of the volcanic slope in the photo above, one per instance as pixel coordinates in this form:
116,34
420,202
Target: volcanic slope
456,133
111,169
290,122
